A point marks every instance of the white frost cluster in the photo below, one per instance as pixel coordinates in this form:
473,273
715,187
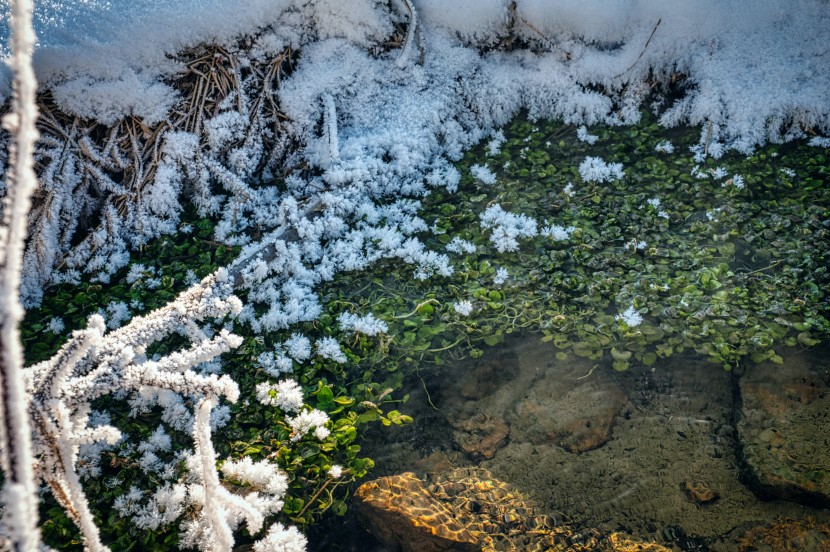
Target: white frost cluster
494,145
584,136
286,395
501,276
635,244
483,174
55,325
464,308
275,363
594,169
460,246
664,147
298,347
328,347
367,324
737,181
282,539
507,227
557,232
117,313
308,421
630,317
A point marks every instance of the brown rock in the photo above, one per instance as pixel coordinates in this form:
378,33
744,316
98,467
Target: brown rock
699,494
485,378
576,415
481,435
784,415
787,535
434,463
400,512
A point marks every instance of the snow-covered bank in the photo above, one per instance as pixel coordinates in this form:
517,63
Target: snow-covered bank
393,125
752,70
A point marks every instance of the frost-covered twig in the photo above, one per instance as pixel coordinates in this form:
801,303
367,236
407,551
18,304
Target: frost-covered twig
412,30
91,365
330,120
19,491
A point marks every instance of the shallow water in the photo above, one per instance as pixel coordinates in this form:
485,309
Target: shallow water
610,423
598,448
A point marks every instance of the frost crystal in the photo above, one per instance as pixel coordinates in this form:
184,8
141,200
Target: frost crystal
281,539
286,395
459,246
594,169
367,325
664,147
298,347
558,233
501,276
736,180
630,316
494,145
307,421
55,325
484,174
327,347
507,227
584,136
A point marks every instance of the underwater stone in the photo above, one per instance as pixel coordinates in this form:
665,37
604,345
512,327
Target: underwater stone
577,415
469,509
399,511
782,427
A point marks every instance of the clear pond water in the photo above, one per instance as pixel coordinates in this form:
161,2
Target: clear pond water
691,427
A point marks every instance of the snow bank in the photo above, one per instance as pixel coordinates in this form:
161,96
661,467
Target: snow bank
391,127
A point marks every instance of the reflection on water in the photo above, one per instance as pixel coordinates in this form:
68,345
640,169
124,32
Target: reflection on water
677,454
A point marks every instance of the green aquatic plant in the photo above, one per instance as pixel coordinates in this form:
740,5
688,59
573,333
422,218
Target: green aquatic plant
733,272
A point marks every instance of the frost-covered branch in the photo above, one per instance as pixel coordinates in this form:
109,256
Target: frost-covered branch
330,118
92,364
412,31
19,491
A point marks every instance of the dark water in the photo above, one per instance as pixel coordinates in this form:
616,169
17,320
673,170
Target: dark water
642,451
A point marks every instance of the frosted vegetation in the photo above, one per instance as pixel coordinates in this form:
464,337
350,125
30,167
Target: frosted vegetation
303,139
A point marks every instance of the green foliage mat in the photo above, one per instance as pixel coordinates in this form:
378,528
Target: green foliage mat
729,272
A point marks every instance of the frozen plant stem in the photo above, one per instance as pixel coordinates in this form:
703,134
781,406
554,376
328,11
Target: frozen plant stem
708,139
19,492
403,59
331,128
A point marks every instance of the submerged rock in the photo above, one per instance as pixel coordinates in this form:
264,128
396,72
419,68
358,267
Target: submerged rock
468,509
481,435
700,494
786,535
532,398
399,511
577,415
782,427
